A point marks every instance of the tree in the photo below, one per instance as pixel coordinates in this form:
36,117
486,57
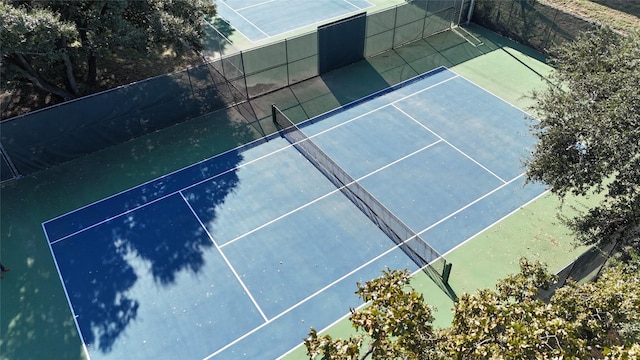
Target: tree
589,133
56,44
36,35
599,319
510,322
395,324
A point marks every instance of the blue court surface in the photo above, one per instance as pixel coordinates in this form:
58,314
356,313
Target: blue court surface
239,255
261,19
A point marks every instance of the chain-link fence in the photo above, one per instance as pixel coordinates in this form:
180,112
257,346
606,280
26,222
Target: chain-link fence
293,60
54,135
585,267
530,22
45,138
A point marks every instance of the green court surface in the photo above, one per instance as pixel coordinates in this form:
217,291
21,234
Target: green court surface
35,319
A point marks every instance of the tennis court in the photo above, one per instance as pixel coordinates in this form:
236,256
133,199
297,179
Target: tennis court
238,255
259,20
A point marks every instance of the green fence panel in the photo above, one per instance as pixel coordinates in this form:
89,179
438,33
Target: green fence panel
265,57
49,137
302,56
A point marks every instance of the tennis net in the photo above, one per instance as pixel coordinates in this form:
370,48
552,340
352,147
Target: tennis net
427,258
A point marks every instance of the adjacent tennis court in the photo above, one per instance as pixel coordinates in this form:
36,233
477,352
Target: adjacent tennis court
258,20
238,255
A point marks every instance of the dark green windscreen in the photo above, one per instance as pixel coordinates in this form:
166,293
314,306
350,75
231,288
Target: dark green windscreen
341,43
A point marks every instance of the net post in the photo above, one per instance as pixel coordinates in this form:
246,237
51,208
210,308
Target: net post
274,116
446,272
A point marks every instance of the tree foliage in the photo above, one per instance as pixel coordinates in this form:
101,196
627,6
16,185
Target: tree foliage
510,322
589,143
593,320
396,324
56,44
589,133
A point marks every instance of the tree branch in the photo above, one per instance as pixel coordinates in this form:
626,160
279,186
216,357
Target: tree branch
368,352
24,68
72,85
20,61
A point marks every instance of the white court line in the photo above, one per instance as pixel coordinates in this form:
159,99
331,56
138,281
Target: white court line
496,222
468,205
494,95
217,175
355,6
243,18
108,219
234,28
305,26
281,217
301,302
254,5
382,106
233,270
330,193
66,294
326,328
161,197
219,33
450,144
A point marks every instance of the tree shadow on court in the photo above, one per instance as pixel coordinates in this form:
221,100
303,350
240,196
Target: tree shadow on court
113,269
34,303
36,320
